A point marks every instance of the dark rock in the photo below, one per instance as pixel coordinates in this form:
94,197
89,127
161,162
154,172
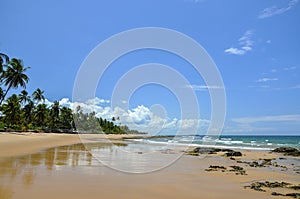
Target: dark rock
276,194
294,195
287,151
253,164
295,187
261,163
204,150
233,153
217,167
238,170
258,186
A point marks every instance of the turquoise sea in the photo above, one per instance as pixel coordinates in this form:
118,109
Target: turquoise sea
239,142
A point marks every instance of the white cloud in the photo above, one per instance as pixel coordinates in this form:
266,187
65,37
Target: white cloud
245,43
139,118
196,1
260,86
65,102
273,71
278,118
203,87
290,68
124,102
235,51
140,115
274,10
296,87
97,100
47,102
266,79
265,124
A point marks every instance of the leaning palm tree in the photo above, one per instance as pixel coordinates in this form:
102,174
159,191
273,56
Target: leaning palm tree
14,76
38,95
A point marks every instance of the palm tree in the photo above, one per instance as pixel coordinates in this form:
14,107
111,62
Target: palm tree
24,96
28,111
66,118
54,114
14,76
1,93
41,115
38,95
12,111
3,59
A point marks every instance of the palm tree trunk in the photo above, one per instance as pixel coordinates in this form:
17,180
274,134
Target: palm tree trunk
3,97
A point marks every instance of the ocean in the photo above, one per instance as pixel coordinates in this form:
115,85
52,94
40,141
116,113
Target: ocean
233,142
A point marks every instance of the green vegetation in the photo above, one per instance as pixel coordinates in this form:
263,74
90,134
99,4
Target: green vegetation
24,112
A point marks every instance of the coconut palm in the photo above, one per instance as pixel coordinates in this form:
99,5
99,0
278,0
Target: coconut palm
1,93
38,95
12,111
28,111
41,115
24,96
14,76
66,118
3,59
54,114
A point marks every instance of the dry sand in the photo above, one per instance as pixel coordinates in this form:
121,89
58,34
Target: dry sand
25,176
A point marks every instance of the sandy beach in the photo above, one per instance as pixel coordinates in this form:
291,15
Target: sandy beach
13,144
47,165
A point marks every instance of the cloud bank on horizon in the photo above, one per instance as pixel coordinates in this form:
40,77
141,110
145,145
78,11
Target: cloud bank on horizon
144,119
140,118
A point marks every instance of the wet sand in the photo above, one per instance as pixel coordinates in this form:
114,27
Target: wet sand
39,166
12,144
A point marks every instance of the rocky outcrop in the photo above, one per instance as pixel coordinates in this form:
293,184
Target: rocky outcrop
235,169
203,150
290,151
258,186
233,153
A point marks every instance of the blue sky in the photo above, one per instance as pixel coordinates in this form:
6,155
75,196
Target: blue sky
255,45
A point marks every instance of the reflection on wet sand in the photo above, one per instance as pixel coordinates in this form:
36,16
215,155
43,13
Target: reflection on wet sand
5,192
24,169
